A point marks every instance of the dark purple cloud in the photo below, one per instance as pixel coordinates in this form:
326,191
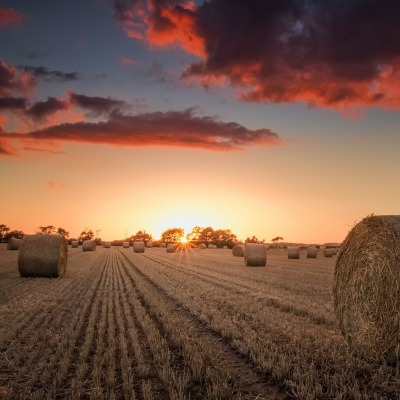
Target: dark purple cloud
43,109
173,128
12,81
16,103
332,53
49,75
97,105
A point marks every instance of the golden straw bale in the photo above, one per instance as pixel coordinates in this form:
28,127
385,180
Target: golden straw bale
125,245
13,244
149,245
238,250
329,252
43,255
74,244
107,245
294,252
202,246
255,255
88,245
312,252
366,288
138,247
171,247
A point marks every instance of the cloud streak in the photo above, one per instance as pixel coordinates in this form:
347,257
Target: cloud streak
9,16
50,75
325,53
172,128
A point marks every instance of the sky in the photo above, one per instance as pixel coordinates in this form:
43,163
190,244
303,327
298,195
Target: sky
267,118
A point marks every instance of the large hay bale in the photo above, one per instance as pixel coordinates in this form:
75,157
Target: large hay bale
366,288
255,255
43,255
88,245
149,245
13,244
138,247
74,244
329,252
238,250
125,245
312,252
163,245
294,252
107,245
171,247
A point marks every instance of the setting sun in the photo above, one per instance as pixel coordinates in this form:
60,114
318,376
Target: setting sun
183,240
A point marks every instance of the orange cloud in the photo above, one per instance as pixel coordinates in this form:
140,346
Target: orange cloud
128,61
173,128
8,16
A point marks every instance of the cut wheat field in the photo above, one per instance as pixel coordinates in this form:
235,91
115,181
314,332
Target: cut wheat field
195,324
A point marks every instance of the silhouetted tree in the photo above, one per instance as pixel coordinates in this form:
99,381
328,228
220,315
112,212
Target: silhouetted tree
254,239
3,231
46,230
224,237
276,240
141,236
172,235
195,234
14,234
62,231
207,235
86,234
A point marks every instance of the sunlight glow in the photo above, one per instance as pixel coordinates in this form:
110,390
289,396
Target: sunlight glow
183,240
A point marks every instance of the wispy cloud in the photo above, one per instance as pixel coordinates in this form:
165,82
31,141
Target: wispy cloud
325,53
184,128
49,75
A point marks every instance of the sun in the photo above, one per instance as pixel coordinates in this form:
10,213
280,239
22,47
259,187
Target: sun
183,240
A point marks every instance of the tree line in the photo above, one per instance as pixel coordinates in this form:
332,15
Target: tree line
208,235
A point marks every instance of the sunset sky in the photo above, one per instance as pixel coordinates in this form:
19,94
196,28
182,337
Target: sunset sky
261,116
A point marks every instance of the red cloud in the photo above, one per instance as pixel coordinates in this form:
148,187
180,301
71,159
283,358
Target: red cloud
9,16
325,53
128,61
12,81
172,128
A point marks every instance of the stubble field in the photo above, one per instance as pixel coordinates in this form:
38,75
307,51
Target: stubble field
188,325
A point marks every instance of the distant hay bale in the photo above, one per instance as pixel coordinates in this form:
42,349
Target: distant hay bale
255,255
312,252
149,245
171,247
74,244
163,245
13,244
125,245
88,245
107,245
329,252
366,288
202,246
293,252
138,247
238,250
43,256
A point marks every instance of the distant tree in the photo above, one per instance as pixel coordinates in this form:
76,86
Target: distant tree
276,240
46,230
141,236
14,234
195,234
62,231
254,239
86,234
3,231
172,235
224,237
207,235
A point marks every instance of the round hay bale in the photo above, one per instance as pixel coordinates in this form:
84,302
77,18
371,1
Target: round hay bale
13,244
366,288
202,246
294,252
312,252
88,245
255,255
329,252
171,247
125,245
43,256
163,245
107,245
149,245
138,247
238,250
74,244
